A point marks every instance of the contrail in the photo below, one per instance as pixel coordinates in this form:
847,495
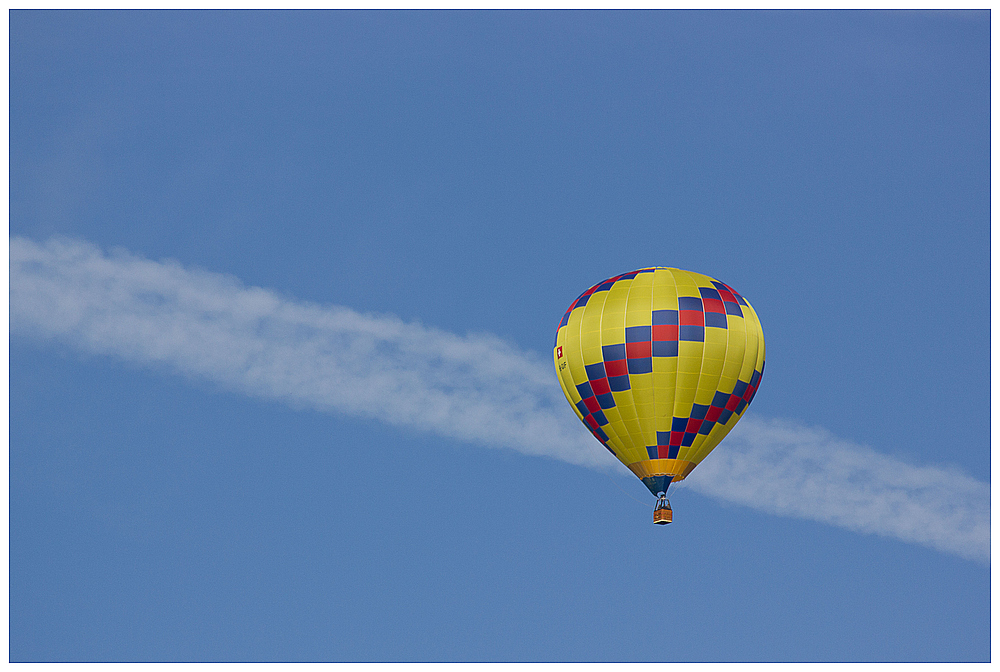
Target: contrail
474,388
793,470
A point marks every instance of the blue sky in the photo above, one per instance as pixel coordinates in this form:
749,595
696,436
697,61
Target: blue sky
284,286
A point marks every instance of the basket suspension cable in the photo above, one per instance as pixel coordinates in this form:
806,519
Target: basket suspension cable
628,495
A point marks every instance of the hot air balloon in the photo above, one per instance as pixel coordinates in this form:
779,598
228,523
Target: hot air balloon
660,364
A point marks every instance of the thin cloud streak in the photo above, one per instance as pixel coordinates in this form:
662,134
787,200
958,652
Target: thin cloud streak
792,470
474,388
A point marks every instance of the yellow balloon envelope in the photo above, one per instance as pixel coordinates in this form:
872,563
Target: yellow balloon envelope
660,364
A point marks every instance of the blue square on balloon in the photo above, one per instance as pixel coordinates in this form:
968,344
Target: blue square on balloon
606,400
643,365
618,383
601,418
709,293
698,411
637,335
665,317
585,391
706,427
613,353
715,320
662,438
653,452
582,407
740,388
664,348
724,417
733,308
691,332
603,437
679,424
688,438
720,399
689,303
582,301
595,371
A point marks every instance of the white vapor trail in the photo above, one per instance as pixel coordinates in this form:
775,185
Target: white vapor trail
805,472
475,388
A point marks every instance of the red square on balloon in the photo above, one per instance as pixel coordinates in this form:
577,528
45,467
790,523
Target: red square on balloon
638,350
713,306
665,332
692,318
616,368
600,386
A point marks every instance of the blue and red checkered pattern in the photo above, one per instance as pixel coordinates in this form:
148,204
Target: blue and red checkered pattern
599,287
659,339
704,418
666,329
590,406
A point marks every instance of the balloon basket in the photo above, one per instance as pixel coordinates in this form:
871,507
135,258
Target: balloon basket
663,514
